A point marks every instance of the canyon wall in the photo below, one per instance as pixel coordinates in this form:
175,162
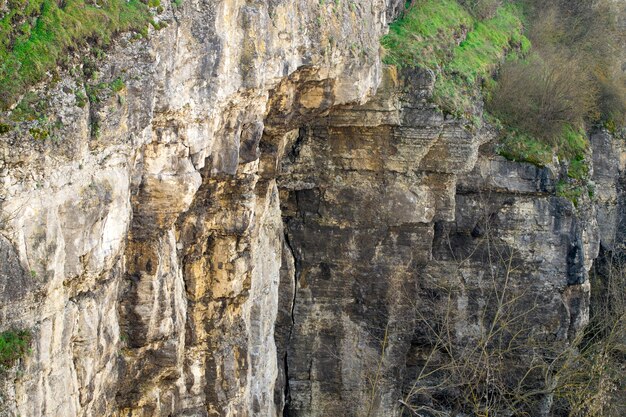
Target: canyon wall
252,224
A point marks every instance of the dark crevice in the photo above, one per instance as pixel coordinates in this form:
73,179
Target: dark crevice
296,272
296,263
286,389
296,147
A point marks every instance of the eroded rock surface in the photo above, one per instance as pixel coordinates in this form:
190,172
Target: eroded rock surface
143,245
393,213
251,223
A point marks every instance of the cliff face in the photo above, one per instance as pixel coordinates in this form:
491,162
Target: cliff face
143,244
398,221
362,189
255,220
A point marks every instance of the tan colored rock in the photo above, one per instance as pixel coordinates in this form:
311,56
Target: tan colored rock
244,226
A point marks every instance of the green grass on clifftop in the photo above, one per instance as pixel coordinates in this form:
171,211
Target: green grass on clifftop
443,36
486,45
35,34
466,53
426,35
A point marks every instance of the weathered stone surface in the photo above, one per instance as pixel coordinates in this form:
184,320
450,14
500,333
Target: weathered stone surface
143,246
250,224
359,210
390,224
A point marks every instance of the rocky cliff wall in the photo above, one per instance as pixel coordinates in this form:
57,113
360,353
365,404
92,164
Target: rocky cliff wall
141,245
247,225
400,220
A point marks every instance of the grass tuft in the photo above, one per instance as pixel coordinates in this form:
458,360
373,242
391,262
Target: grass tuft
520,147
426,34
571,145
573,192
486,45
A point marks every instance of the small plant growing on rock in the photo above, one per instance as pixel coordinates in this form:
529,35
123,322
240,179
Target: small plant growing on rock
14,344
4,128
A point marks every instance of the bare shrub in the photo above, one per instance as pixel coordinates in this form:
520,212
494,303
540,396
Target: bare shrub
510,366
612,90
589,31
599,372
503,370
573,75
543,94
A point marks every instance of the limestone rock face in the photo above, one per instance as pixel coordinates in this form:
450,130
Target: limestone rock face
250,225
358,213
392,214
384,205
142,247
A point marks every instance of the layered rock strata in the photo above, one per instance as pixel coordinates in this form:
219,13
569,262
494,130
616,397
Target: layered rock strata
394,219
250,225
142,243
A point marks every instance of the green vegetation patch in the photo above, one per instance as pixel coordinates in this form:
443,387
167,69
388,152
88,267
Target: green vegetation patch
426,34
521,147
487,44
571,145
13,346
39,133
476,58
35,34
578,169
102,91
31,107
573,192
429,36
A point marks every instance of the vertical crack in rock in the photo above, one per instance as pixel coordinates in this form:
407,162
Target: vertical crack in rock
293,260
